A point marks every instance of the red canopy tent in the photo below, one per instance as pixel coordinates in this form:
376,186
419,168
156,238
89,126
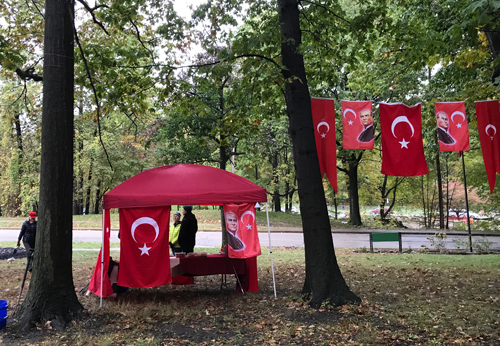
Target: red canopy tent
182,184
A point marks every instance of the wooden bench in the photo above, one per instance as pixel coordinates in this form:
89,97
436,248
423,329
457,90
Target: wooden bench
386,236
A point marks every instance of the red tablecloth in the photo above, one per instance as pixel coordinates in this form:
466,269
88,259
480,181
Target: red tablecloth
221,264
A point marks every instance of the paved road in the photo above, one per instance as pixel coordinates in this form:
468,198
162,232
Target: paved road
347,239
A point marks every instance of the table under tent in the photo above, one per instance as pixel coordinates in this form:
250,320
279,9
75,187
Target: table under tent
144,202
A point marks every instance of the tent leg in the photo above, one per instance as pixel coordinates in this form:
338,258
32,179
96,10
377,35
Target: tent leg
236,274
102,256
271,250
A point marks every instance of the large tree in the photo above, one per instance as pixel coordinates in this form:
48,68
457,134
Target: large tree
51,295
324,281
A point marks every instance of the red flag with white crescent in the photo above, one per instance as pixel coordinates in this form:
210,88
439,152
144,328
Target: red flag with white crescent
402,144
488,125
453,131
144,248
323,114
358,128
95,280
241,230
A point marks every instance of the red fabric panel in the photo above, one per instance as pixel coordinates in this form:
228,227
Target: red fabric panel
144,248
241,228
454,137
95,280
353,128
211,265
402,144
250,281
182,280
183,184
488,125
323,114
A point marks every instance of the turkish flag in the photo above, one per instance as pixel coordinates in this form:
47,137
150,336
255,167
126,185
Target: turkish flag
453,131
357,120
241,228
95,280
488,125
402,144
323,114
144,250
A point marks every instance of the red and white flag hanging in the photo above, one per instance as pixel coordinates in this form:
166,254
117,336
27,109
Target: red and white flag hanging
95,280
453,131
144,248
323,114
241,230
357,120
402,144
488,125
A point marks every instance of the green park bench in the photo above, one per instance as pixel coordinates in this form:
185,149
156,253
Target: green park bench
385,236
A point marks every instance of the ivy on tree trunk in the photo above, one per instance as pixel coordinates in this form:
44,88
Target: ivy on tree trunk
324,281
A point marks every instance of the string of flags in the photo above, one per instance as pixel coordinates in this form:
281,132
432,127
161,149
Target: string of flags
401,132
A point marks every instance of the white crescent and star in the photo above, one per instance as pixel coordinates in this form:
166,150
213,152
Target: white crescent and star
323,123
402,119
248,212
351,111
145,221
492,127
459,125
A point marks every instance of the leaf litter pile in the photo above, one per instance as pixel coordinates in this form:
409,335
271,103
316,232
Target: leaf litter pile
409,299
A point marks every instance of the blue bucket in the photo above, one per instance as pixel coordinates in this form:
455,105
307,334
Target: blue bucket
3,313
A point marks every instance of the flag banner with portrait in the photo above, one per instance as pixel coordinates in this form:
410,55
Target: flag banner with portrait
323,114
358,128
95,280
241,230
402,144
488,125
144,249
452,127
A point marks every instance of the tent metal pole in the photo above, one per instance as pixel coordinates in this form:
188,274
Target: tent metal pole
102,255
271,250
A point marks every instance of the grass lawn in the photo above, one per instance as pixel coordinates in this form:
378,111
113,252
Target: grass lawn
409,299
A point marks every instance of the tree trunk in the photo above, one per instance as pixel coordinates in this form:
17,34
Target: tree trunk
493,37
276,193
324,281
51,294
89,186
354,212
78,185
440,192
97,198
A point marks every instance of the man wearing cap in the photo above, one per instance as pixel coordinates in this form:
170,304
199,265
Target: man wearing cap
173,236
189,227
28,232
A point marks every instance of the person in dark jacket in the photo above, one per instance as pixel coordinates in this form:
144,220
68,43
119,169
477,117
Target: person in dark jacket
28,233
189,227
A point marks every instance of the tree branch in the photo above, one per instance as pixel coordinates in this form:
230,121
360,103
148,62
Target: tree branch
91,11
28,74
95,94
327,9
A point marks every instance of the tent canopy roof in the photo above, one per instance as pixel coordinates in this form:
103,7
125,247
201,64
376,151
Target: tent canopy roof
183,185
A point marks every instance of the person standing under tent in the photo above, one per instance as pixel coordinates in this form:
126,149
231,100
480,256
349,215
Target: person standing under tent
173,236
28,233
189,227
